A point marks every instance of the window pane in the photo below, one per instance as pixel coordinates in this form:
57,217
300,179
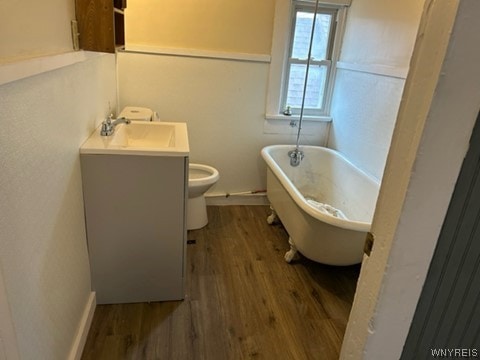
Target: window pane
302,33
317,76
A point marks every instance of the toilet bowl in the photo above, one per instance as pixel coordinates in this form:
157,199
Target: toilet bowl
200,179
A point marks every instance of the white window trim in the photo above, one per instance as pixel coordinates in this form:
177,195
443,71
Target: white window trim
280,49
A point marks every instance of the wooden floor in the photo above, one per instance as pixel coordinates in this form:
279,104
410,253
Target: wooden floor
243,301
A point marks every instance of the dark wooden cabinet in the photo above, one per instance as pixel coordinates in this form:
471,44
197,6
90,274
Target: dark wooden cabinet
101,24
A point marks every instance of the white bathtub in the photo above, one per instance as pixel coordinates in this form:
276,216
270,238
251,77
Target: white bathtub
327,177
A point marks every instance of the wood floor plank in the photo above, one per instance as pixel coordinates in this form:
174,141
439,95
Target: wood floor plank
243,301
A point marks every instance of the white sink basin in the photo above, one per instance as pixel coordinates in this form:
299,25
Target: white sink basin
144,135
140,138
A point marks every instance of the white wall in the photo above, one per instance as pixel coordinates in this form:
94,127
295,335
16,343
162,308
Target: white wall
32,28
45,297
191,80
381,32
8,338
376,50
364,110
43,250
223,104
234,26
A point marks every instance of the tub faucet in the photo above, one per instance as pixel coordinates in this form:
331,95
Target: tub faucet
296,156
108,125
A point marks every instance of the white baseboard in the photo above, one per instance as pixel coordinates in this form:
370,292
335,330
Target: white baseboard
84,327
221,200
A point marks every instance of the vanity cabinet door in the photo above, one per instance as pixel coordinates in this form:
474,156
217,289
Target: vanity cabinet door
101,24
135,217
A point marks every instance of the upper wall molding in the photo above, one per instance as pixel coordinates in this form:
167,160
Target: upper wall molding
18,70
329,2
196,53
376,69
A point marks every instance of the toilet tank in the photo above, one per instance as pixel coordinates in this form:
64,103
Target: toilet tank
138,113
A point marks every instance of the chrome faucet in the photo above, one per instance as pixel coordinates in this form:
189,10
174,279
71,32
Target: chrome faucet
296,156
108,125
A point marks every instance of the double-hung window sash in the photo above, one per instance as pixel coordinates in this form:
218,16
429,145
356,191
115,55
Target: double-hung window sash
320,62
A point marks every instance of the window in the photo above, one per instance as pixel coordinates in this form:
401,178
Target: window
290,48
320,62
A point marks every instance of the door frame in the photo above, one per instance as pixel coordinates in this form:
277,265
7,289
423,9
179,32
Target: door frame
438,110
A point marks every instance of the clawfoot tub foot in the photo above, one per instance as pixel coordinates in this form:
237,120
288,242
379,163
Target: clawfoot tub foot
291,254
273,217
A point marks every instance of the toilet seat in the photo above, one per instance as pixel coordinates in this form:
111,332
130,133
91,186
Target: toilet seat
200,175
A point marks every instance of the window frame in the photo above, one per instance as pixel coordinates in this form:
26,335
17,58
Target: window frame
281,48
327,62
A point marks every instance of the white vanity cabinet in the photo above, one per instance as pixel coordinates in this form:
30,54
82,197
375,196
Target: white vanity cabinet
135,210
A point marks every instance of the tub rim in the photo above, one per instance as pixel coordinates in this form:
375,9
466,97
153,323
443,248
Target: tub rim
300,199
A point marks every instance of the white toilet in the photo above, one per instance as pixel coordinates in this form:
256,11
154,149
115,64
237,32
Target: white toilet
200,177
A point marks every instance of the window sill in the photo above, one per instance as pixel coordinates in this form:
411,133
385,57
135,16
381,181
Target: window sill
296,118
